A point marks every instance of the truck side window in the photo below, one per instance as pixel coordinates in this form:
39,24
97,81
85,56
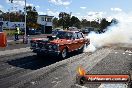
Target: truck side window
82,35
75,35
79,35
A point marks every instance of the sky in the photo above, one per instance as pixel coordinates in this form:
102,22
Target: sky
89,9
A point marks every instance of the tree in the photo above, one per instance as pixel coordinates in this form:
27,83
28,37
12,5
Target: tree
64,19
103,25
13,16
94,24
84,23
55,22
1,12
28,8
63,15
114,21
32,15
75,22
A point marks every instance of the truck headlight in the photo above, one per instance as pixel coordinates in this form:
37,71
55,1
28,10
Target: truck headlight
55,47
33,44
50,46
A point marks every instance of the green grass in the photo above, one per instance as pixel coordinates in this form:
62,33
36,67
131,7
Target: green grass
11,32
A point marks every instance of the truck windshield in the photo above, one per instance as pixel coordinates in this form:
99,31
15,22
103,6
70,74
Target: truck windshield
64,35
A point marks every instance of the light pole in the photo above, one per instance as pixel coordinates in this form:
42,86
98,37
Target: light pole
25,34
1,23
9,19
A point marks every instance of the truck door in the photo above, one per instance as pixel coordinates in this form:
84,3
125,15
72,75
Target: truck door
81,40
74,41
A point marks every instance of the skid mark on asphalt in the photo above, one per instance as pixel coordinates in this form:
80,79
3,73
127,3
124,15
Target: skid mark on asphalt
5,66
65,71
15,51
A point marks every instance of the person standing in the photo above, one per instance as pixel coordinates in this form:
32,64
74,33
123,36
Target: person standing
1,23
1,29
17,32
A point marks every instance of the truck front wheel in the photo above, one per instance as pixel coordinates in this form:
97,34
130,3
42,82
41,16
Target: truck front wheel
63,54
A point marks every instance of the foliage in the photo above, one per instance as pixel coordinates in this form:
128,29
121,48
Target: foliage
103,25
75,22
55,22
11,32
19,16
66,21
85,23
13,16
114,21
32,17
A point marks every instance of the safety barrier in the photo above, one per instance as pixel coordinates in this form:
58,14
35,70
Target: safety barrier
3,39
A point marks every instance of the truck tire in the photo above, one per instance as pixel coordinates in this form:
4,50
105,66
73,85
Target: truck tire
82,49
63,54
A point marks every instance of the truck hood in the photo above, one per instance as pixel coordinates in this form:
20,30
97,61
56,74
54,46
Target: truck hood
35,39
60,41
55,41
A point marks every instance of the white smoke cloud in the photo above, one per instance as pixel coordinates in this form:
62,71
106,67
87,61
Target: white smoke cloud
41,13
37,6
77,13
83,7
52,13
119,33
2,8
94,15
116,9
29,4
18,3
61,2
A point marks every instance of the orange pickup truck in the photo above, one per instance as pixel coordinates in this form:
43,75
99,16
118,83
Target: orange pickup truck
60,44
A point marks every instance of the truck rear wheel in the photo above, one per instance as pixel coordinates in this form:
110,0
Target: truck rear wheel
82,49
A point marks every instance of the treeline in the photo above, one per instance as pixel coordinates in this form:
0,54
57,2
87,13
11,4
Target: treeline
65,20
19,16
13,16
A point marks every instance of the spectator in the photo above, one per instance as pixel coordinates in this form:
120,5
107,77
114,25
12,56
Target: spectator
17,32
1,23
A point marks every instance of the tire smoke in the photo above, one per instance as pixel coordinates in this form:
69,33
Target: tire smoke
115,34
